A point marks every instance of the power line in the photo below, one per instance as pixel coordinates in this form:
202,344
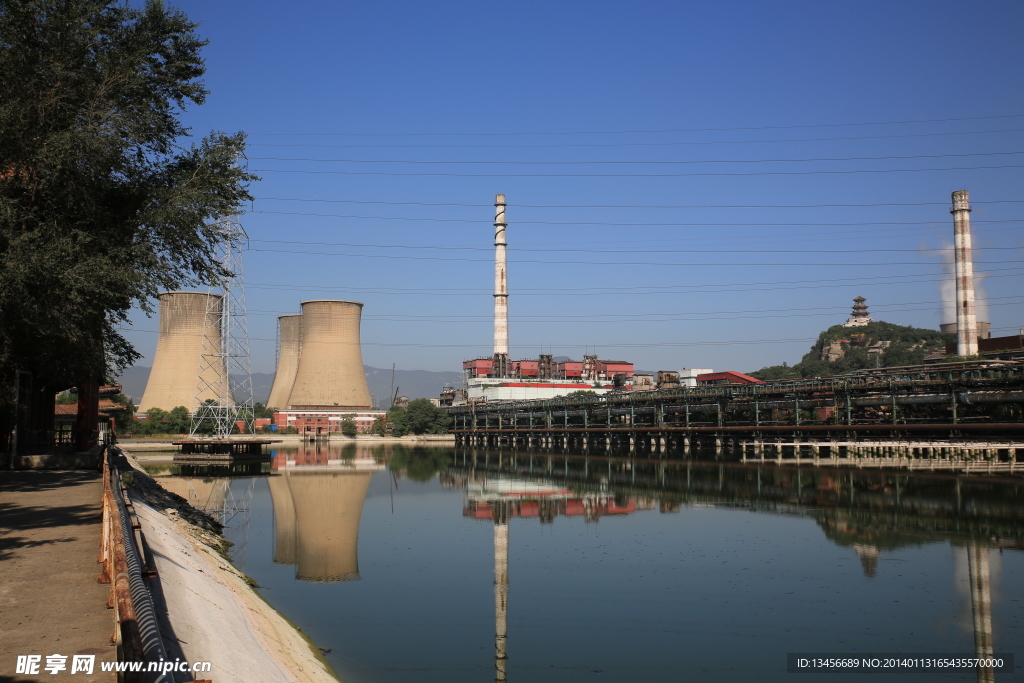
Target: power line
669,130
636,175
674,316
849,138
609,263
628,251
655,162
642,206
585,223
644,290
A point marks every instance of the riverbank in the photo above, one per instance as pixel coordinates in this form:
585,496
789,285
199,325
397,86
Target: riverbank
210,611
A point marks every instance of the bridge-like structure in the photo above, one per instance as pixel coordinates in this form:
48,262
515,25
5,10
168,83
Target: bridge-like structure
981,400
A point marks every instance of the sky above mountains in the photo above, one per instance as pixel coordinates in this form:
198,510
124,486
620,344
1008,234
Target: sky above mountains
689,184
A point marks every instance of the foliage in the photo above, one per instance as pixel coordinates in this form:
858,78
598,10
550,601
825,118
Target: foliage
420,464
348,426
261,411
159,421
419,417
907,346
101,206
582,392
66,398
381,426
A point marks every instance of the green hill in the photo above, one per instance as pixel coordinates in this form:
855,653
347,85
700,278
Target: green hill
845,349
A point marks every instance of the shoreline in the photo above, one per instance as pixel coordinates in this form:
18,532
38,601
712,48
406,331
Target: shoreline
210,610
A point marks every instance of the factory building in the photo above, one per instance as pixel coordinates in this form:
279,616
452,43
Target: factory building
544,378
186,318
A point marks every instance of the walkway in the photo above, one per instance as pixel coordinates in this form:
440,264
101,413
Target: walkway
50,602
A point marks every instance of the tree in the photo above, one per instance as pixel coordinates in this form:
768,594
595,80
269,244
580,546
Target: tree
101,206
261,411
419,417
348,426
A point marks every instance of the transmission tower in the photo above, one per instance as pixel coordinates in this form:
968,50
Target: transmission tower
224,386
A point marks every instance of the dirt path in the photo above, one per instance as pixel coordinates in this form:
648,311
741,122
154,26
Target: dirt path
50,602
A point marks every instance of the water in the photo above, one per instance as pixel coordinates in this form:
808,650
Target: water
620,569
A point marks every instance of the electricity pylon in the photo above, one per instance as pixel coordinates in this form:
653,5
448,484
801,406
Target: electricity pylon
224,385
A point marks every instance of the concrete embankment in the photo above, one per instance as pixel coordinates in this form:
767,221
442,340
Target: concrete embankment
211,612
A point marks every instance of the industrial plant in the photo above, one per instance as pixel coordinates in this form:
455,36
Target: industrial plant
498,378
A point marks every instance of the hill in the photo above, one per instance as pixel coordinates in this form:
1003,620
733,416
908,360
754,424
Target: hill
845,349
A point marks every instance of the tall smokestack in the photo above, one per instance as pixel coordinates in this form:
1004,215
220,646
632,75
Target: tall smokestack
966,325
500,368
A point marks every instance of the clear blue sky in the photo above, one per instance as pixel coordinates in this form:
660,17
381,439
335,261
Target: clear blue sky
383,130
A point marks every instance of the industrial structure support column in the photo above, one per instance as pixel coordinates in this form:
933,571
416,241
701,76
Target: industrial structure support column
500,367
966,323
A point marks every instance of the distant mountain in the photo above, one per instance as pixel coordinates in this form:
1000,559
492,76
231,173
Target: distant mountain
411,383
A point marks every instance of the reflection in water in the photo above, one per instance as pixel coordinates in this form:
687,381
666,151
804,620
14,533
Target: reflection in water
318,497
981,606
869,513
500,591
500,498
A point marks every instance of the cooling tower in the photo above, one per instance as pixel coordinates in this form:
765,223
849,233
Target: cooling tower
330,374
327,507
289,331
284,520
179,348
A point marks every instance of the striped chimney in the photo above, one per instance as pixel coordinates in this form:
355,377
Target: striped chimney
966,324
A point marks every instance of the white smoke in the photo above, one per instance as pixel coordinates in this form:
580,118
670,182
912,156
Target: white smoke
947,289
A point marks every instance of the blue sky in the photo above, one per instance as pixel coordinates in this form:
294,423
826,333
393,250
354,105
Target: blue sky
689,184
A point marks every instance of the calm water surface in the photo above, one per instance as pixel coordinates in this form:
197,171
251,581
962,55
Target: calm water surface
449,565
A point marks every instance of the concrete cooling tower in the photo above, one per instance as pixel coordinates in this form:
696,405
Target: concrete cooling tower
290,338
330,373
184,317
327,508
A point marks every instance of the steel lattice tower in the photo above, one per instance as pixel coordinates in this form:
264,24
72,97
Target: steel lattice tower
224,369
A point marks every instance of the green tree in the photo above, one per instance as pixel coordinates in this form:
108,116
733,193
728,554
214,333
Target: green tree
348,426
179,421
423,417
103,203
262,411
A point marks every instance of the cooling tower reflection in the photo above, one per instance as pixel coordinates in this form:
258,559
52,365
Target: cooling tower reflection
318,493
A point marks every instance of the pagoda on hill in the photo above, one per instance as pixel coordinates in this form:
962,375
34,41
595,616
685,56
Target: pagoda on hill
860,316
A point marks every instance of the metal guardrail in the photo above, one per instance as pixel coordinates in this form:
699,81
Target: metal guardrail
137,631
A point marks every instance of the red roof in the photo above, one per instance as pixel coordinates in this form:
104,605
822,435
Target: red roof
729,376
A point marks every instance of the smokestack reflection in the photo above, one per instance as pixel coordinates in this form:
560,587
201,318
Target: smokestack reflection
500,590
981,607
